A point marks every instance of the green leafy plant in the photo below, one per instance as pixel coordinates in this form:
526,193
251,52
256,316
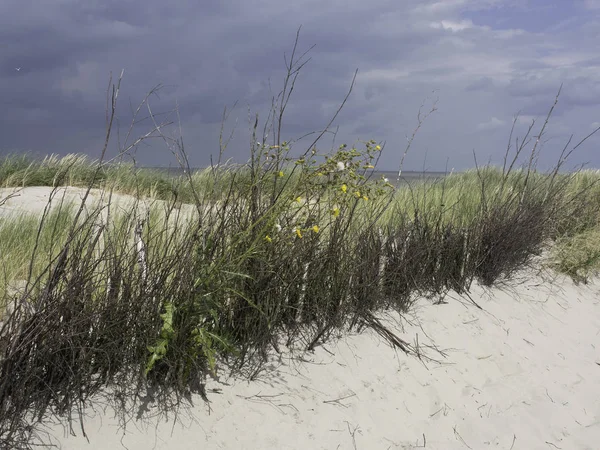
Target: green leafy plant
167,333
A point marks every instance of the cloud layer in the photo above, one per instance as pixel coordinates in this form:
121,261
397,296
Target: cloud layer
483,60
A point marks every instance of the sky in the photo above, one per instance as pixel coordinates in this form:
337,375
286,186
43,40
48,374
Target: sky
481,63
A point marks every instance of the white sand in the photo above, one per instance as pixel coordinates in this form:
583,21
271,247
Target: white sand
522,374
34,199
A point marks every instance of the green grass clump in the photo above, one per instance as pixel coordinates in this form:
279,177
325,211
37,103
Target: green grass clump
578,256
22,235
80,171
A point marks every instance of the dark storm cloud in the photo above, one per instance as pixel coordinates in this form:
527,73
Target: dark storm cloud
482,84
532,86
539,92
210,54
528,65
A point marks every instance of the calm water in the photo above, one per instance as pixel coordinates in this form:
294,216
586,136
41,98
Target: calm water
407,176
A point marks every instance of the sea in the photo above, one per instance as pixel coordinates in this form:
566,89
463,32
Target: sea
407,176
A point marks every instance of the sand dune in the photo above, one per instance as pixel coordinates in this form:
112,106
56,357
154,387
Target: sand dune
523,373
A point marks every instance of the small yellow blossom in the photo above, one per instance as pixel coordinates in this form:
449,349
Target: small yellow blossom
344,188
268,238
298,199
357,194
280,173
335,212
299,233
378,147
315,228
365,198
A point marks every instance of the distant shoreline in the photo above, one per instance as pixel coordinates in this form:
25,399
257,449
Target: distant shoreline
392,175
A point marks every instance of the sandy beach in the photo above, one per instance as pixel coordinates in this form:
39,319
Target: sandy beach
523,373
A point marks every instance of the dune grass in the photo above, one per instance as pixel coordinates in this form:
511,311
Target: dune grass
23,170
19,237
155,296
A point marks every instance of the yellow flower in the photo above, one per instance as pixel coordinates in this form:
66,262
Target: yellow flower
298,199
378,147
365,198
268,238
335,212
344,188
280,173
315,228
299,233
357,194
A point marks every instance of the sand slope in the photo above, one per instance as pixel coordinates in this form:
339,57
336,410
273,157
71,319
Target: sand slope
523,374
